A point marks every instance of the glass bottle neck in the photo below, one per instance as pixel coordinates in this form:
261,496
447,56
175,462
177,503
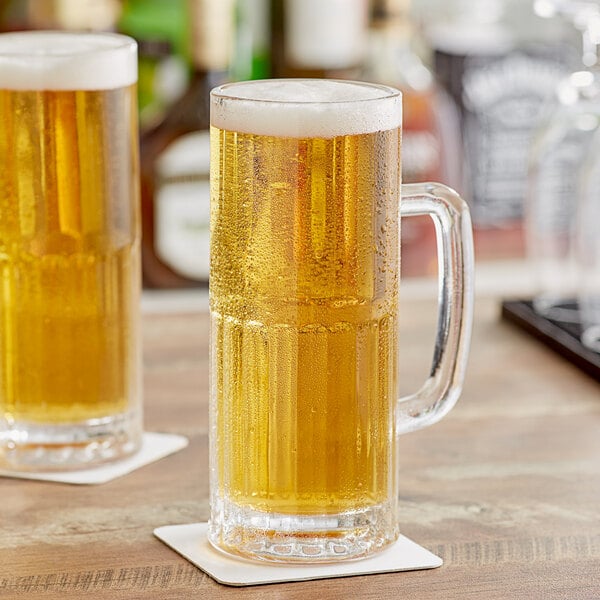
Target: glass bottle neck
392,59
212,31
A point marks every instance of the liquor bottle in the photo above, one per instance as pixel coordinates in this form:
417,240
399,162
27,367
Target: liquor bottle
429,127
500,63
75,15
160,28
14,15
560,146
319,38
251,53
175,161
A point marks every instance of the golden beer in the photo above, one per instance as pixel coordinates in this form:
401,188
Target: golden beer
69,249
304,286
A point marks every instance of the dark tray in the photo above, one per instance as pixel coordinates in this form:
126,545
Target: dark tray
561,337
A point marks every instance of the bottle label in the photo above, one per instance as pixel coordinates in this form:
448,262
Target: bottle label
212,33
182,206
502,102
325,34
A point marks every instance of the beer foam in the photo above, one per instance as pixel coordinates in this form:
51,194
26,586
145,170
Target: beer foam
59,60
305,107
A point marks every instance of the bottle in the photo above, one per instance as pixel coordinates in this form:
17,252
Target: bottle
319,38
500,63
429,127
560,147
13,16
252,41
175,161
160,28
586,244
75,15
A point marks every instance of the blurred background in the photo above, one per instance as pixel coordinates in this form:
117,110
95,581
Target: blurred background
501,102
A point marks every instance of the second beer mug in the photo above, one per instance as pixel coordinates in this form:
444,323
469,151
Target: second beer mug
304,306
70,376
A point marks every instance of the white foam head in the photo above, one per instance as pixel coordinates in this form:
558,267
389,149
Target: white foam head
59,60
305,107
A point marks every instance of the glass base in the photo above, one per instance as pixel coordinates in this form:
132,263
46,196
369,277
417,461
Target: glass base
26,446
556,309
279,537
590,337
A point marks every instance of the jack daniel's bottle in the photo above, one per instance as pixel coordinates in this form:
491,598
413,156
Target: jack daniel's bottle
175,161
500,64
426,149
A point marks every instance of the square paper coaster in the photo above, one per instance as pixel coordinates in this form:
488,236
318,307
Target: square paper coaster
154,447
190,541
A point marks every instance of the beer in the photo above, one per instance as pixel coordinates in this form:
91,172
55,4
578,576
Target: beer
305,364
304,284
69,235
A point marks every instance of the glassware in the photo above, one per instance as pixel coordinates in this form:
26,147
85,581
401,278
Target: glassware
175,157
500,64
557,151
70,389
587,248
305,191
430,129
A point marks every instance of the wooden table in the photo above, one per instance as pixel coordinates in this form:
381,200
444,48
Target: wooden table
506,489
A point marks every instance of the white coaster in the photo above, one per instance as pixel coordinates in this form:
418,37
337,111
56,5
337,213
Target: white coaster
190,541
154,447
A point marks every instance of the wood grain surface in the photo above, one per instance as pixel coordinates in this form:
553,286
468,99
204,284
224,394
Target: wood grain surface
506,489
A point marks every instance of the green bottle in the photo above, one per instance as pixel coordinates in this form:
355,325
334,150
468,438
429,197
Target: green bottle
161,28
252,40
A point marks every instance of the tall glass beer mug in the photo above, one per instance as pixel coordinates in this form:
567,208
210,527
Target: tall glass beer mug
69,250
305,263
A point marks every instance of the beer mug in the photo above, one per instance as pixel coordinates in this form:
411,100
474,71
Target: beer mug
69,250
304,415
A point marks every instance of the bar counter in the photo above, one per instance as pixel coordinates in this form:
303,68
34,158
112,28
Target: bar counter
506,489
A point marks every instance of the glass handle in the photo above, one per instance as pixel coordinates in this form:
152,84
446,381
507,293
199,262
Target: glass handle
454,234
